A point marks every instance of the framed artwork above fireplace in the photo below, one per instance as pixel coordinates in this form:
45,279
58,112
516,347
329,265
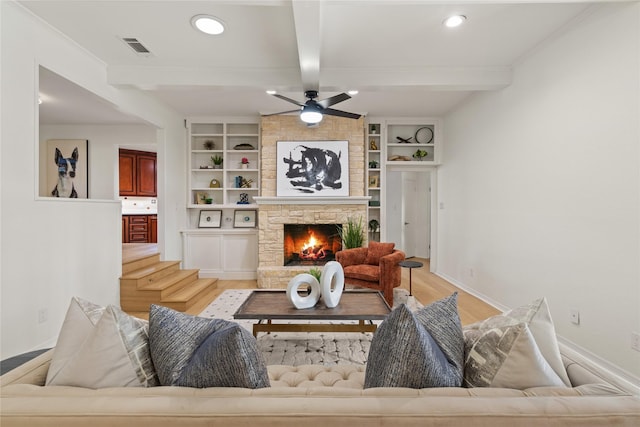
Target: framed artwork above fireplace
312,168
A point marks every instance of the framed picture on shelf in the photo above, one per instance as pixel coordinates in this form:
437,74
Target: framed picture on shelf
312,168
200,198
210,219
374,181
244,219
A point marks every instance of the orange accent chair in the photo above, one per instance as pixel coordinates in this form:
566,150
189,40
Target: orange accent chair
375,267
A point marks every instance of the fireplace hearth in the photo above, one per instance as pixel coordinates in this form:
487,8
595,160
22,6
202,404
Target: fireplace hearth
311,244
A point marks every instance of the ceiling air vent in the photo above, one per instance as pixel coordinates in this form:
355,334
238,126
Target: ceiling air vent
138,47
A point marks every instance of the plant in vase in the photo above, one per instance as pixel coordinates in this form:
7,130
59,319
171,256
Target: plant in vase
420,154
352,233
316,272
244,163
373,164
217,161
209,144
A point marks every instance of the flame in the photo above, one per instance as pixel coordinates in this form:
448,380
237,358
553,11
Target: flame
310,249
310,244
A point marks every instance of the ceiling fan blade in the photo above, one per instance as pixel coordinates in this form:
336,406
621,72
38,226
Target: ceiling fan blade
282,112
293,101
332,112
334,100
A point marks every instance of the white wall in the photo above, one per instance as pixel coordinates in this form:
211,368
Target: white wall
52,250
104,142
540,185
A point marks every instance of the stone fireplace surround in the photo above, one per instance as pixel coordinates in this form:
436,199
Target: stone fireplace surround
274,212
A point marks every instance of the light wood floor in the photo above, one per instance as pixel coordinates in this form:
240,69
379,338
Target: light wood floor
426,286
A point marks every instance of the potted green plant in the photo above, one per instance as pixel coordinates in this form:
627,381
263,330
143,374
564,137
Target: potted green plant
373,164
373,225
217,161
352,233
316,272
420,154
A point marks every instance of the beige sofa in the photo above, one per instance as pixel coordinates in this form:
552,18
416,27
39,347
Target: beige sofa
314,395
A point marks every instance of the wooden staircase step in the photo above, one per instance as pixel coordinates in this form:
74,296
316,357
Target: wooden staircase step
146,280
186,297
203,301
171,283
139,263
147,275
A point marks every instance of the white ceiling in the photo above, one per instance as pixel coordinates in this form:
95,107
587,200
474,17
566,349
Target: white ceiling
396,53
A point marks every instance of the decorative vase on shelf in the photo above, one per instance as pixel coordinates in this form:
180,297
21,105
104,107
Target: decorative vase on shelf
244,165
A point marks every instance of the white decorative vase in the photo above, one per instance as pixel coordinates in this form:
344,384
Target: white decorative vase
244,165
332,277
303,301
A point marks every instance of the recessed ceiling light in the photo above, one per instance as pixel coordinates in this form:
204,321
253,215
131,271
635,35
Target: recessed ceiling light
352,92
271,92
208,24
454,21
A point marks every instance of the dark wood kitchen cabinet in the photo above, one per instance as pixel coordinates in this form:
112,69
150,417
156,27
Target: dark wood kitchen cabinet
138,173
153,228
139,228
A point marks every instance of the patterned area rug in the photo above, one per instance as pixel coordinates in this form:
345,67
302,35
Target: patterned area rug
302,348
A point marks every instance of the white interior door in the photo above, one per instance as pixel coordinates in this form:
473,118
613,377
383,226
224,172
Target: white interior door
409,217
408,212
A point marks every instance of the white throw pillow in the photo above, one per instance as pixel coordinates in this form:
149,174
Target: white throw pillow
112,351
517,349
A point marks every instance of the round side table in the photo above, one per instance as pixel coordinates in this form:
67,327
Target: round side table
410,265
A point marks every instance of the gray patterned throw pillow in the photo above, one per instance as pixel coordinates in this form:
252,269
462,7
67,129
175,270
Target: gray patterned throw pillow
418,350
517,349
101,347
193,351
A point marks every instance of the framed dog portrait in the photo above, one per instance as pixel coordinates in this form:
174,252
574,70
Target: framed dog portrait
67,168
244,219
210,219
312,168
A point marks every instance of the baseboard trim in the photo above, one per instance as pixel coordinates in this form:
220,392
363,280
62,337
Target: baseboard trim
484,298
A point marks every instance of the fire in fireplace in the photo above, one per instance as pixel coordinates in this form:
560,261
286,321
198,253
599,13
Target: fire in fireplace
311,244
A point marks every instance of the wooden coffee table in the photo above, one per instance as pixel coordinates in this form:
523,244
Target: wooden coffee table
267,305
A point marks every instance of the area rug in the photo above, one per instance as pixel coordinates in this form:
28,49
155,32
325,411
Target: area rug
302,348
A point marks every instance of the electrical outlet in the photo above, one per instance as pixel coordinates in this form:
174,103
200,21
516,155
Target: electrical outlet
574,316
43,315
635,341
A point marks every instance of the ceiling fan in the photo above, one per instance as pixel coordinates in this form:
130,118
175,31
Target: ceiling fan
312,111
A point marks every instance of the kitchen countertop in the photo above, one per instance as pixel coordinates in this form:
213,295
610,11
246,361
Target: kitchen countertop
139,205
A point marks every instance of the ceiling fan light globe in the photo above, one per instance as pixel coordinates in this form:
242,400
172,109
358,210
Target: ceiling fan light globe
310,116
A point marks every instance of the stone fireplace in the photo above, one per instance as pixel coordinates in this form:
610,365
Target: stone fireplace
311,244
274,213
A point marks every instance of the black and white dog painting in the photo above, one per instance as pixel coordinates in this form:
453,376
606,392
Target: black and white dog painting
66,174
319,168
66,169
